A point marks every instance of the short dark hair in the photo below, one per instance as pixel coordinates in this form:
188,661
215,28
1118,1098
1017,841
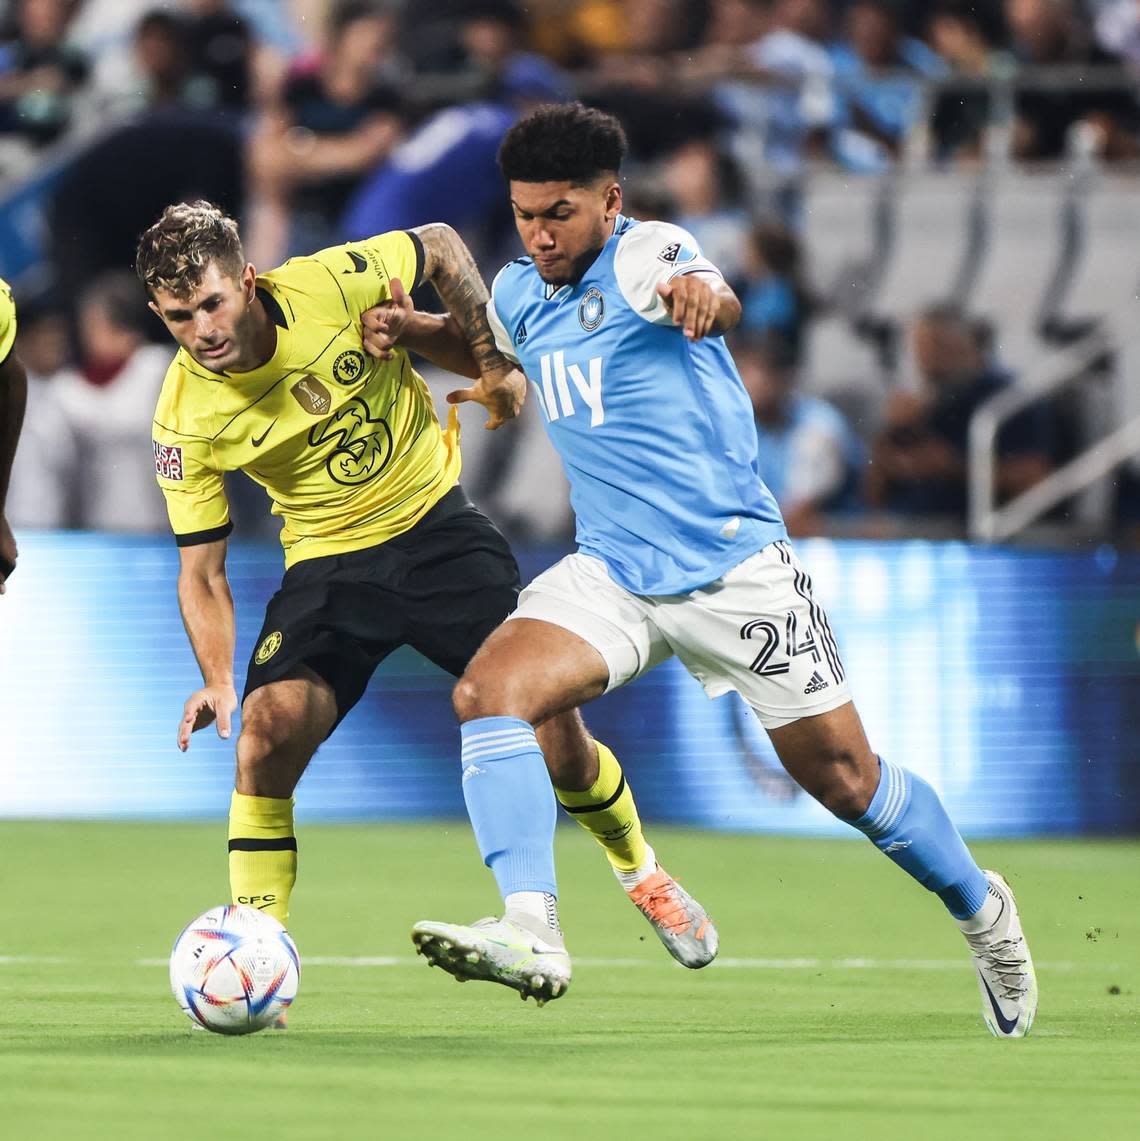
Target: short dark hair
563,142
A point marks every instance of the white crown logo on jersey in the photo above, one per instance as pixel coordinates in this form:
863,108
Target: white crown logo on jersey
591,309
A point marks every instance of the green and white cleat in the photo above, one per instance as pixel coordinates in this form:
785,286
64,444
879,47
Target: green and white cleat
513,951
1004,967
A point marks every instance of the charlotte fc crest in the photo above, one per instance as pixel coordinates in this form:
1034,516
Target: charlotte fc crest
591,309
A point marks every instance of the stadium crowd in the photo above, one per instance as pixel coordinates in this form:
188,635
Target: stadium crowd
320,121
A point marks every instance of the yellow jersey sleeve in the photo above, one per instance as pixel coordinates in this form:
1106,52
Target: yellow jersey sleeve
7,321
191,483
364,269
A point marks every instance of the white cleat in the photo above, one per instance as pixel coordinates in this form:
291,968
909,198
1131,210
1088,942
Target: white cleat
1006,978
509,951
681,923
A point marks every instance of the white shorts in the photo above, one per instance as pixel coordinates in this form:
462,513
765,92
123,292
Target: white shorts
757,630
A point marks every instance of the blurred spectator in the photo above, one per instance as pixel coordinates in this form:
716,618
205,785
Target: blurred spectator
40,73
799,112
489,59
962,36
38,495
418,183
1118,28
106,407
335,122
810,457
1053,32
645,43
164,49
115,188
221,50
776,296
706,189
879,72
919,461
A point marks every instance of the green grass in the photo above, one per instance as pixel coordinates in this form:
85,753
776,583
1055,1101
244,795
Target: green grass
93,1046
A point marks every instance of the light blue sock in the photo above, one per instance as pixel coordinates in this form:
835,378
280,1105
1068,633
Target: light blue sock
511,803
907,822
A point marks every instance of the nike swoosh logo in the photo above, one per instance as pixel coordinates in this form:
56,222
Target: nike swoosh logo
359,264
257,441
1006,1025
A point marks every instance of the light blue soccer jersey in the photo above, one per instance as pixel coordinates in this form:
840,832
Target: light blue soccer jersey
655,433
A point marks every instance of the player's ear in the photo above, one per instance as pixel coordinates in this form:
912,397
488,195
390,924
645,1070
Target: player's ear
613,200
249,281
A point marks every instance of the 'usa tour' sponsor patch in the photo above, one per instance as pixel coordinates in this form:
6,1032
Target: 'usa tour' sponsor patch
168,460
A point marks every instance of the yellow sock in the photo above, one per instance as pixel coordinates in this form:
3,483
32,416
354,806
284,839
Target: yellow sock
263,853
607,811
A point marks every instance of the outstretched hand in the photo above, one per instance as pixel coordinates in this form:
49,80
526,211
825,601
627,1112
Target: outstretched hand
383,324
213,703
502,395
693,303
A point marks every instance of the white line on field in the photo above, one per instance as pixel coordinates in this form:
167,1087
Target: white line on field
730,964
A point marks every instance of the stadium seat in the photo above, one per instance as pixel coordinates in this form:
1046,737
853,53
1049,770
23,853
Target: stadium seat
845,233
930,231
1024,252
1106,281
847,370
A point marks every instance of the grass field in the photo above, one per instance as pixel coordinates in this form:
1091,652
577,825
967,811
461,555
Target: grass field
843,1005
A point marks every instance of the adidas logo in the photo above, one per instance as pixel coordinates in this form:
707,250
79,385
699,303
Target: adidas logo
816,684
472,771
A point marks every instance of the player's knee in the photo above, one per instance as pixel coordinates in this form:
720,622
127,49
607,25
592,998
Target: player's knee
263,737
478,694
468,698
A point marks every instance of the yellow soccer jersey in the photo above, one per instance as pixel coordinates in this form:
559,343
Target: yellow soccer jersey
348,446
7,321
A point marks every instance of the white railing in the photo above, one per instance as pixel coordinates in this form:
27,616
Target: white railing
992,524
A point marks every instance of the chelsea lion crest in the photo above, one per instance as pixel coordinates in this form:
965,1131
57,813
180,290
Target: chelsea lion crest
591,309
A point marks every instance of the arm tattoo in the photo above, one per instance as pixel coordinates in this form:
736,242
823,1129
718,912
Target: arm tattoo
449,266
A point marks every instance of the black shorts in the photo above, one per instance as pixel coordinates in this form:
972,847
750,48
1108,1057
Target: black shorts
440,588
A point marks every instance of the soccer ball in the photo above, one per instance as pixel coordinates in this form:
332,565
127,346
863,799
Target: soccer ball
234,970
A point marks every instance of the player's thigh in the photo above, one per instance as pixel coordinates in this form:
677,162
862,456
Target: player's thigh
461,582
532,670
759,631
578,595
337,616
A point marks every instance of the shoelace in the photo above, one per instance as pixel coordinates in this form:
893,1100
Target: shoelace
664,905
1007,966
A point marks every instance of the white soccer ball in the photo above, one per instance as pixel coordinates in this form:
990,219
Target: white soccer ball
234,970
